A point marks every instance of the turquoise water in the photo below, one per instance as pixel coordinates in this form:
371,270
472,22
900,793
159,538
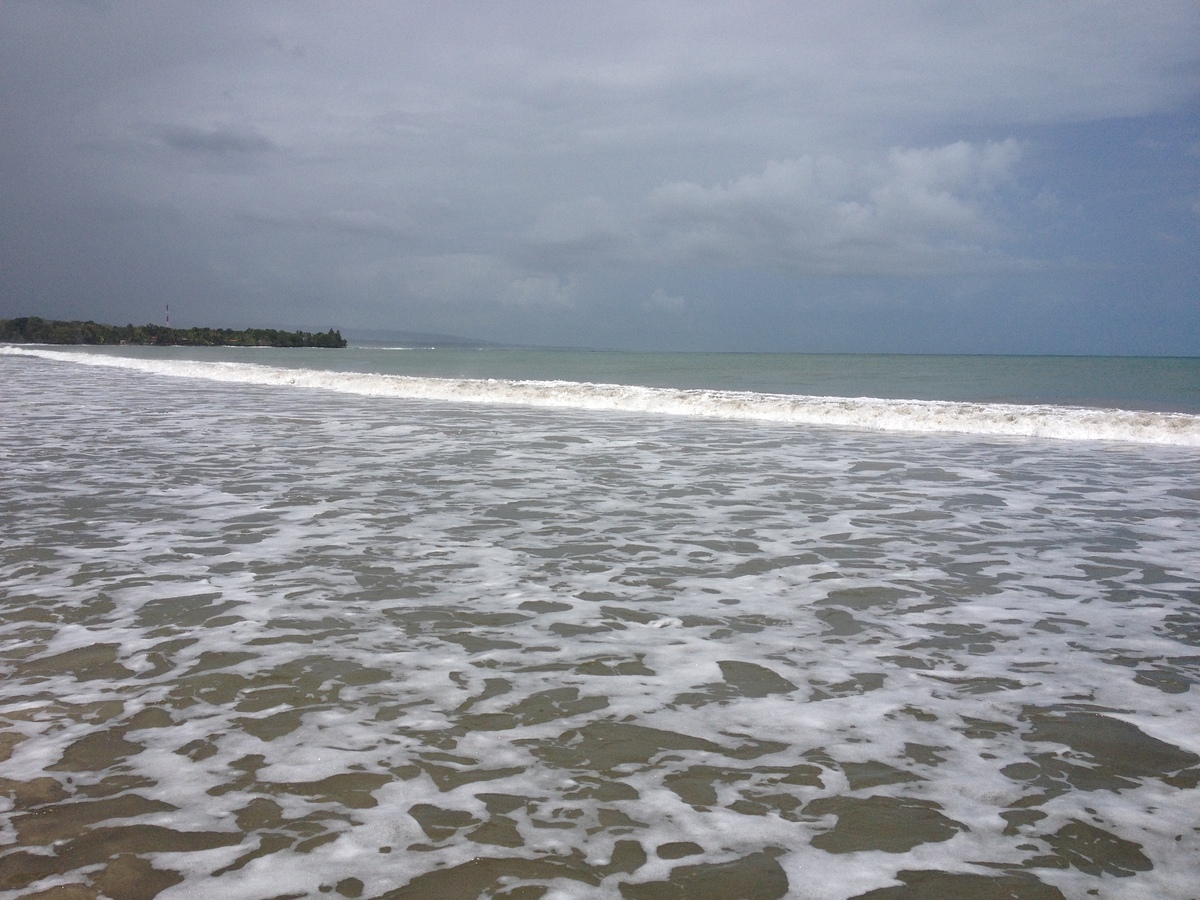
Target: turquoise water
1163,384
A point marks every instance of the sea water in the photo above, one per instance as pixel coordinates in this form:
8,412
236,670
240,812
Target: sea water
382,624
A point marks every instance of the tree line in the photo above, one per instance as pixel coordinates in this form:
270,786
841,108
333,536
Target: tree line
34,330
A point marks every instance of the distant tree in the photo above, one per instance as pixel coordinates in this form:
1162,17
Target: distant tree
34,330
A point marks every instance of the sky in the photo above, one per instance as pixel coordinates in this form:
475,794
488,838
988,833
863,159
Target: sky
851,176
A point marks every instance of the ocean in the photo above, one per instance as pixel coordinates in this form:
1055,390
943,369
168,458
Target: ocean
449,623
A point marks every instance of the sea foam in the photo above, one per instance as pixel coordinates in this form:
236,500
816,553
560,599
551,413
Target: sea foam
290,641
1070,423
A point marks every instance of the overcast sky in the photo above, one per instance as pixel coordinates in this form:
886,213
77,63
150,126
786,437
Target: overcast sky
827,176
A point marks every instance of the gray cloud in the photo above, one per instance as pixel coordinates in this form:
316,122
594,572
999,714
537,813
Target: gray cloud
663,301
909,211
919,210
506,168
215,141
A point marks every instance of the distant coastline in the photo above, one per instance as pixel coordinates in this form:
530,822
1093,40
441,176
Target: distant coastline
374,337
34,330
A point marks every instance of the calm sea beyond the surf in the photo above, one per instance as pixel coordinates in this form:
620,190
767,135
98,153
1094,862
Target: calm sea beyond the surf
450,623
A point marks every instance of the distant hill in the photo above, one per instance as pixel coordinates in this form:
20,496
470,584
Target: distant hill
414,339
33,330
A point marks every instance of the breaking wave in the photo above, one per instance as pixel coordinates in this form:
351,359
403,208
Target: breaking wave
925,416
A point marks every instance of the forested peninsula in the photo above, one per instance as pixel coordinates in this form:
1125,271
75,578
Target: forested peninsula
33,330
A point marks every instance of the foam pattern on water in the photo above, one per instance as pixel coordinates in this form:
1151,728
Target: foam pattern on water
262,643
921,416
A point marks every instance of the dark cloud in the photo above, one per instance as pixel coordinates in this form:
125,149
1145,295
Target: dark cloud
215,141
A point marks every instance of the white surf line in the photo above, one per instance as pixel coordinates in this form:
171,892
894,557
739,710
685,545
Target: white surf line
872,413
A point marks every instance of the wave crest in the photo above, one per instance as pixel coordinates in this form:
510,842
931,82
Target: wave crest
924,416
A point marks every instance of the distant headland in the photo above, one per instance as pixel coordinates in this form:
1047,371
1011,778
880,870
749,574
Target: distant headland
33,330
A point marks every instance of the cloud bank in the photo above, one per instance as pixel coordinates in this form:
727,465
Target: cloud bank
918,211
534,173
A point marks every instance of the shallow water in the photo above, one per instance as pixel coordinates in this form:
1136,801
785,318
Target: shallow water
265,641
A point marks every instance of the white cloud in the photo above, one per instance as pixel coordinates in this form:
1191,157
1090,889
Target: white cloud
919,210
